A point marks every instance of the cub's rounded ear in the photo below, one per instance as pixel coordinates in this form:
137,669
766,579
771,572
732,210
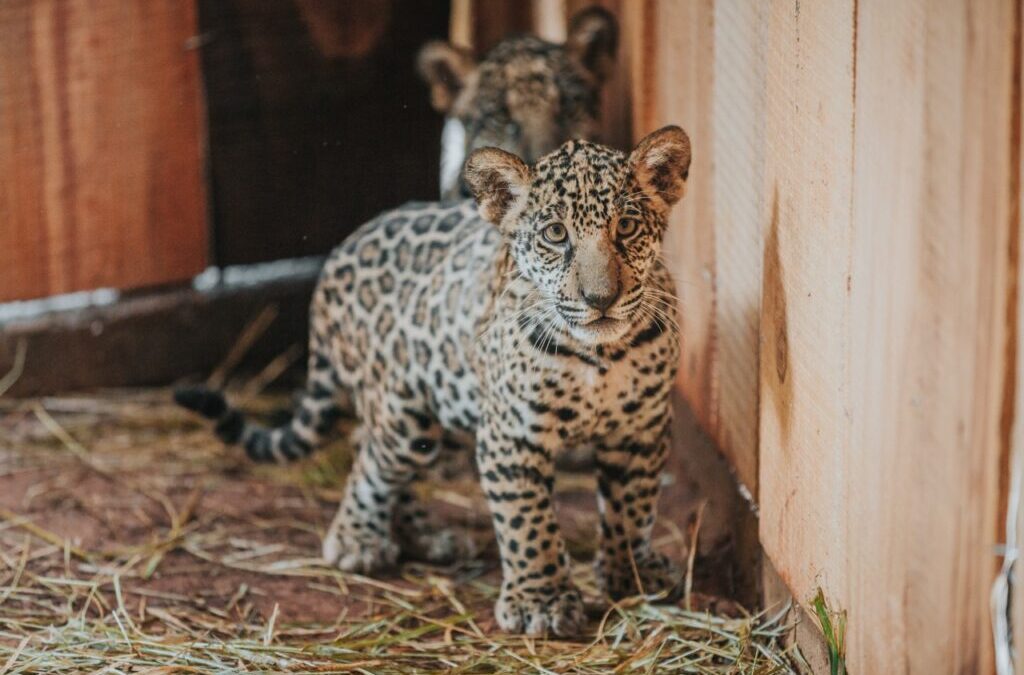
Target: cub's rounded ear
499,181
445,68
593,39
661,163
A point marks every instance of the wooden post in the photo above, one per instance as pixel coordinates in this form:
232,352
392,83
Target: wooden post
740,210
808,190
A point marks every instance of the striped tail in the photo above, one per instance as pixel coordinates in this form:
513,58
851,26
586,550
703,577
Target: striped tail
315,417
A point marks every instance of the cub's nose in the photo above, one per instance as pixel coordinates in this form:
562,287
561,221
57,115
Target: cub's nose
597,272
602,299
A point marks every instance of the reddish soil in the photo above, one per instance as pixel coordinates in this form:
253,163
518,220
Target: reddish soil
142,465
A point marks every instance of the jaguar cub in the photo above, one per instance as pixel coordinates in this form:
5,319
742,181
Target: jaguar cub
526,96
539,322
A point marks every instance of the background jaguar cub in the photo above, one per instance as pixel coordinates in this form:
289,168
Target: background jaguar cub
526,96
544,322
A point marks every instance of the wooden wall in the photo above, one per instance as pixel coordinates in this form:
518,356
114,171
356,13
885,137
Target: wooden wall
101,133
847,263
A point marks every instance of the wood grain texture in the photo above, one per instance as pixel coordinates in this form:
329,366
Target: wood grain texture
101,162
844,257
804,447
929,327
1016,480
740,209
677,89
885,320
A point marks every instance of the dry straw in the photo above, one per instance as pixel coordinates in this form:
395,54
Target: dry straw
69,606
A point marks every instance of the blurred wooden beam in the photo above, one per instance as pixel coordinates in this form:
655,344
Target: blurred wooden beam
153,338
460,31
550,19
478,25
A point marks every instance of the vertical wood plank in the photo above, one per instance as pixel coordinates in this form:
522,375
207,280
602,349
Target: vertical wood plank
930,261
804,321
550,19
738,119
617,98
885,319
888,353
460,24
675,83
101,169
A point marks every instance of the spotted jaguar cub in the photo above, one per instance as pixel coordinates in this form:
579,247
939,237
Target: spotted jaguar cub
541,322
526,96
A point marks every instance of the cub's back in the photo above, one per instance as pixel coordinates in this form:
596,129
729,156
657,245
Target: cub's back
403,277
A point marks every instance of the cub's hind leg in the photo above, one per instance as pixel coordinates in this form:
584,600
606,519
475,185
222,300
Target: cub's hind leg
420,532
359,538
423,537
393,446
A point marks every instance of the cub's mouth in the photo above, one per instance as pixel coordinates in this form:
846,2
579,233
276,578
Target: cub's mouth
599,330
602,323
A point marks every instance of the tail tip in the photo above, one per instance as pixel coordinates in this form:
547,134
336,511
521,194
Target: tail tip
210,404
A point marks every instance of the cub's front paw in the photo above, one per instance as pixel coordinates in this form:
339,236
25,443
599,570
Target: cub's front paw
535,611
656,572
352,552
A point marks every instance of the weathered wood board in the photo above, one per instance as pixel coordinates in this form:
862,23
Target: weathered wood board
101,145
885,320
804,321
740,210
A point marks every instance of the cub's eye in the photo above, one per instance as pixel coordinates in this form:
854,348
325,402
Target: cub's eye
626,227
555,233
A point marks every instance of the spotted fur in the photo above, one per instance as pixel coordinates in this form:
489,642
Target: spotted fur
547,324
526,96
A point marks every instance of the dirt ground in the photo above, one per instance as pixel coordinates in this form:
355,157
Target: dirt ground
117,505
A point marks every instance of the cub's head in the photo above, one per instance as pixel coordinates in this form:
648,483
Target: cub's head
585,224
527,96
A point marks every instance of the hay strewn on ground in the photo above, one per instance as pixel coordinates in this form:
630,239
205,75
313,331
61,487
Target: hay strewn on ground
131,541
